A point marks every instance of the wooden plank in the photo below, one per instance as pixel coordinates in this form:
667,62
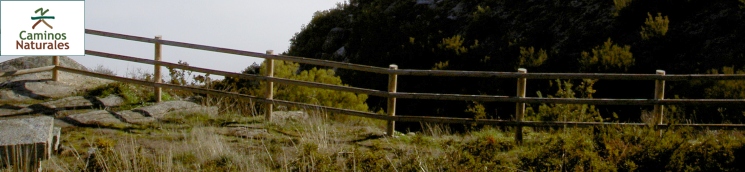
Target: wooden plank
392,84
55,72
659,94
604,76
520,106
386,117
26,71
269,87
244,53
156,74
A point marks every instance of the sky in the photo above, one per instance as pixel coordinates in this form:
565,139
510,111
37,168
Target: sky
251,25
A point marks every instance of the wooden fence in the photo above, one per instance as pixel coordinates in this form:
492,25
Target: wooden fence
392,94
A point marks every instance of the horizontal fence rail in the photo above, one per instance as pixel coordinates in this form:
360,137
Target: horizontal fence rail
392,93
243,53
430,96
378,116
26,71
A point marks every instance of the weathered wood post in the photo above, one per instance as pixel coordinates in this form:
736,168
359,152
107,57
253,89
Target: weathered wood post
55,71
392,82
659,94
520,109
269,94
156,73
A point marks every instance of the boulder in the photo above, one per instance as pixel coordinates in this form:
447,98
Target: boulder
29,62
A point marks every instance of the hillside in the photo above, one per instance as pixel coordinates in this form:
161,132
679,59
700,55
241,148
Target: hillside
624,36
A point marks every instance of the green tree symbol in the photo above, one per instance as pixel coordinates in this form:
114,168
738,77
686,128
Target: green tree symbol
41,18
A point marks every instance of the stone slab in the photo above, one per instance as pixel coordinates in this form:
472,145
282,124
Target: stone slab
135,117
111,101
68,103
10,112
26,136
159,110
99,117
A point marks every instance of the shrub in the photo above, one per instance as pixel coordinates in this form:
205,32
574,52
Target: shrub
567,112
289,70
608,56
727,89
454,43
103,70
654,26
530,58
620,4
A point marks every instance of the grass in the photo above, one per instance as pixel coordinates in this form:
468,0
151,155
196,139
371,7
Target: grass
198,142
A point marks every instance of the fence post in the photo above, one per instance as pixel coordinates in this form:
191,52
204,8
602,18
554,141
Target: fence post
156,73
520,108
659,94
392,83
55,71
269,86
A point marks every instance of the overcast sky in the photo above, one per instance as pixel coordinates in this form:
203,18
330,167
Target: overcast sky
252,25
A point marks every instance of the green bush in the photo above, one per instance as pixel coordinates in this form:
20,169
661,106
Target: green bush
608,56
530,58
454,43
567,112
620,4
654,26
289,70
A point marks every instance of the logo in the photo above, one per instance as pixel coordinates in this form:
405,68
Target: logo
41,18
57,27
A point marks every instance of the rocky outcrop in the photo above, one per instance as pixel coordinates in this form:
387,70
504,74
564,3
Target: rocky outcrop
29,62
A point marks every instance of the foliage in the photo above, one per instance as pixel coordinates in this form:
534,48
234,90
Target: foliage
726,89
620,4
103,70
454,43
441,65
567,112
477,111
530,58
705,35
289,70
654,26
608,56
